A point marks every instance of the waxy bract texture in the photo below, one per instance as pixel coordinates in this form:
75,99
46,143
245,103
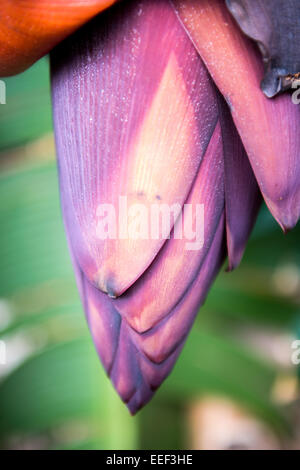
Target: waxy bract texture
134,111
136,114
269,129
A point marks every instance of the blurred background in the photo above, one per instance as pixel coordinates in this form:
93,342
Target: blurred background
235,385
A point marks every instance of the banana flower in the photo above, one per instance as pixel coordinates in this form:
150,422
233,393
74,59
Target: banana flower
161,107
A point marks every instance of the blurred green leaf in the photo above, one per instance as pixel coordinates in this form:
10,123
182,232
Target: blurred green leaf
27,112
22,322
63,383
228,301
47,389
222,366
33,248
268,245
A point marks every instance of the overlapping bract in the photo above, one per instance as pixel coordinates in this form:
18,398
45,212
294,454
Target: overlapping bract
268,128
136,104
137,115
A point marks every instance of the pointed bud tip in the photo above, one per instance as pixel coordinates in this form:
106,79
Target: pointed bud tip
110,284
284,213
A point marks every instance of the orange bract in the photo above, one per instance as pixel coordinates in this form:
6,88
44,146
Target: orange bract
29,29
